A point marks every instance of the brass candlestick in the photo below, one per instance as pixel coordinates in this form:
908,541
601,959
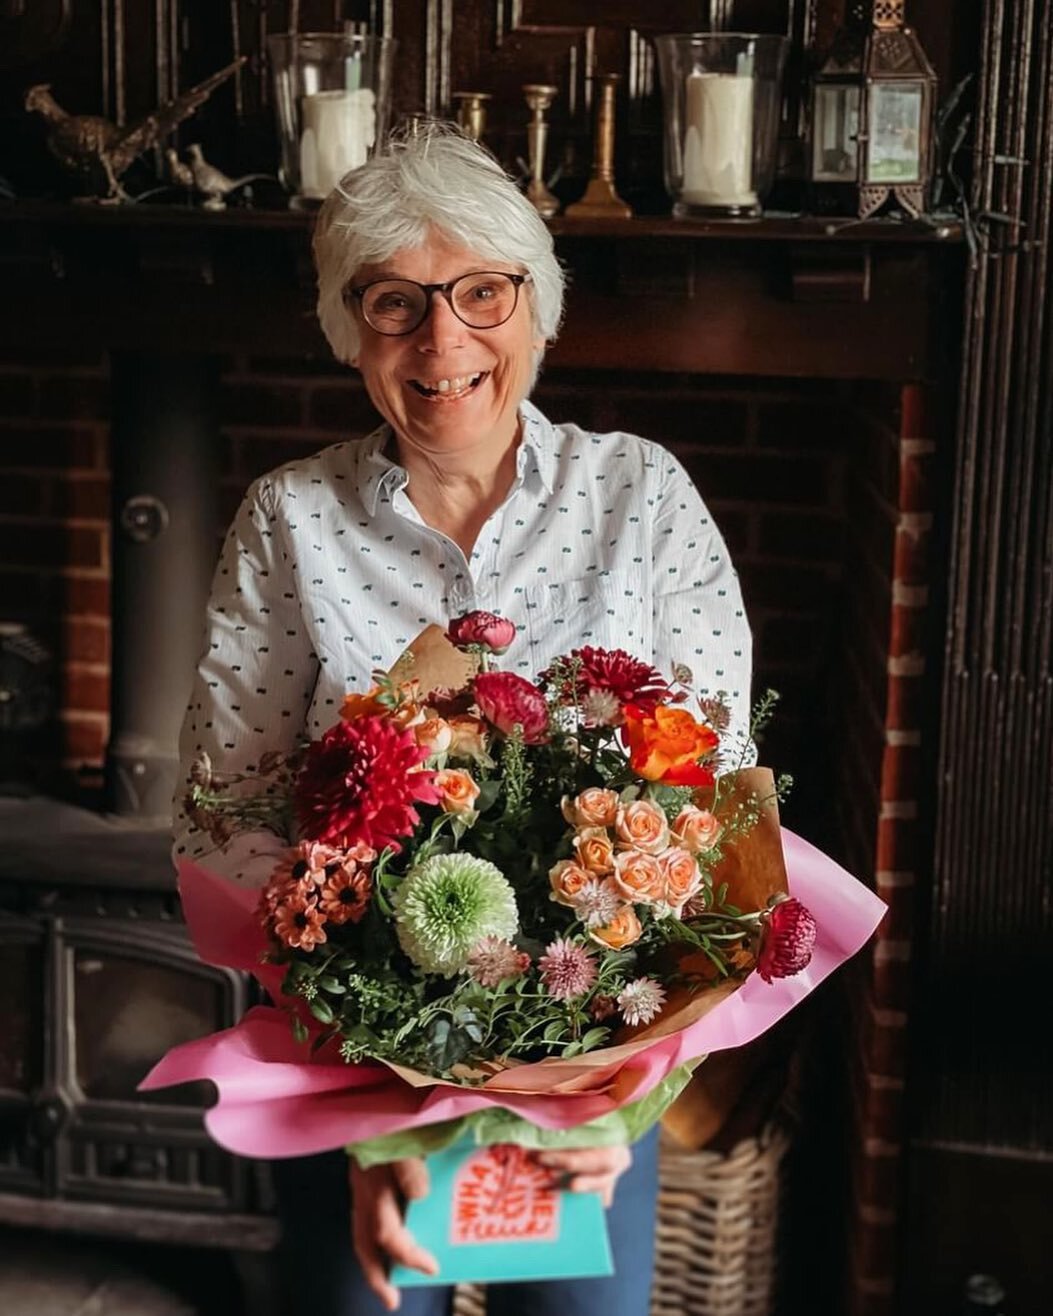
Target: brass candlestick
471,112
538,98
601,201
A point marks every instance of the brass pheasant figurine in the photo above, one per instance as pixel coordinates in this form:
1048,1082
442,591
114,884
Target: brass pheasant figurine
99,152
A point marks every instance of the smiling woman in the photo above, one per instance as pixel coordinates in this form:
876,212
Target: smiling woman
437,281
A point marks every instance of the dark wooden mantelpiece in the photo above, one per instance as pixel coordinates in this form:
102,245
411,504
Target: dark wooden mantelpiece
784,296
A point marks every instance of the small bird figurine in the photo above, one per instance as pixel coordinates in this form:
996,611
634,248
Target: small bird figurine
179,174
213,183
97,150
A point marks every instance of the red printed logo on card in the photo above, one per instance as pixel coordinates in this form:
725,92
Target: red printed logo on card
500,1195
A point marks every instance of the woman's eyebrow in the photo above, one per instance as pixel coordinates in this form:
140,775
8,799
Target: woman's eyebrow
405,278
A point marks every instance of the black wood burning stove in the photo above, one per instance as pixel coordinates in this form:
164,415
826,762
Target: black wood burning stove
97,975
98,979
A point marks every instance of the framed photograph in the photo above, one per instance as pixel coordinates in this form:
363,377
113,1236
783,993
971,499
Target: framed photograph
894,148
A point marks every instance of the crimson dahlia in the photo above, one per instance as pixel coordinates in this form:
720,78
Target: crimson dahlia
359,784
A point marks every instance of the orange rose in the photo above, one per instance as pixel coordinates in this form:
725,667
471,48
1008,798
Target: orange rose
434,735
567,879
637,876
594,807
667,744
468,738
642,825
681,876
696,829
459,792
623,930
595,849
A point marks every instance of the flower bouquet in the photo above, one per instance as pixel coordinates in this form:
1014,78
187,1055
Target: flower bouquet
511,913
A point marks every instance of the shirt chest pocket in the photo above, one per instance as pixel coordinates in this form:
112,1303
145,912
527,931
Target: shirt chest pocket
607,611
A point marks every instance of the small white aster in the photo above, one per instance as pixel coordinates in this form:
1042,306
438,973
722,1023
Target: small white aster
641,1000
600,708
597,903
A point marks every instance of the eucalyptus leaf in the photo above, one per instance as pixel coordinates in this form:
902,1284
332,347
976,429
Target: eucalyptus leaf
322,1010
446,1044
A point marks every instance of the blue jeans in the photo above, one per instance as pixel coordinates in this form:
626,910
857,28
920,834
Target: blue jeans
322,1277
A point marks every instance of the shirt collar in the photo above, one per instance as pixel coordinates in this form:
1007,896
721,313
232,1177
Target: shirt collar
377,473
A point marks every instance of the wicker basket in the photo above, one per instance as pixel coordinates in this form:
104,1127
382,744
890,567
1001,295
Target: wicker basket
717,1214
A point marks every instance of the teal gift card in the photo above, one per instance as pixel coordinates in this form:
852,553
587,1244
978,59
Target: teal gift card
492,1216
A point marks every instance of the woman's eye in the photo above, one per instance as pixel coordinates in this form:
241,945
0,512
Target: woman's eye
390,302
482,292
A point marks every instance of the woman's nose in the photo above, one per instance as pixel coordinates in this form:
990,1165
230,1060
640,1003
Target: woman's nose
441,328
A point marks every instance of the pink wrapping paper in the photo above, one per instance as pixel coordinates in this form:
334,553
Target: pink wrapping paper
275,1102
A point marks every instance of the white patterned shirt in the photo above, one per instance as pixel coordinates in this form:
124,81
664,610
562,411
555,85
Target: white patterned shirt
329,572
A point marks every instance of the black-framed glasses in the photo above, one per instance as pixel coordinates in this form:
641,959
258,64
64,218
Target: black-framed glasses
482,300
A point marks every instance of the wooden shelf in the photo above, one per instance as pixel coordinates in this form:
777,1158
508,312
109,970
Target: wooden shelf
774,227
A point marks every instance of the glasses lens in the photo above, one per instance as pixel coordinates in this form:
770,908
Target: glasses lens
484,300
394,306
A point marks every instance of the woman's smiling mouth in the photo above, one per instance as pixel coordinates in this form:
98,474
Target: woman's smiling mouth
448,390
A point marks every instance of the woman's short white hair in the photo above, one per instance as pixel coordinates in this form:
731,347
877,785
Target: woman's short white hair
429,177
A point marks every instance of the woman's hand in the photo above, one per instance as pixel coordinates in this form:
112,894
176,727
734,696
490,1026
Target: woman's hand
378,1232
589,1170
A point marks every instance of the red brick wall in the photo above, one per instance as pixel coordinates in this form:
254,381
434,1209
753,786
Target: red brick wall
768,456
54,533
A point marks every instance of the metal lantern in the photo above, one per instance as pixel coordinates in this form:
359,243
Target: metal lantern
872,108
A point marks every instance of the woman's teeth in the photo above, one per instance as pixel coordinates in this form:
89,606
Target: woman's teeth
448,388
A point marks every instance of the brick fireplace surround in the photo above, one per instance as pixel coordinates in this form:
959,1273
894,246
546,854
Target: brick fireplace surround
803,385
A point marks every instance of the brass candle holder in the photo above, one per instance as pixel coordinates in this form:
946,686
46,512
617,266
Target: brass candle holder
538,98
471,112
601,200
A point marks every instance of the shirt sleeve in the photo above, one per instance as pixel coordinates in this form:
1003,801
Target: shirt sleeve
699,617
253,685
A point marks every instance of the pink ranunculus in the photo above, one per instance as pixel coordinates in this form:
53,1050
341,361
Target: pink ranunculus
485,629
507,701
787,938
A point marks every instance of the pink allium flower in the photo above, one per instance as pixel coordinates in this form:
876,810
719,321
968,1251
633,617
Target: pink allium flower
597,903
615,672
787,940
641,1000
567,969
485,629
359,784
494,959
507,700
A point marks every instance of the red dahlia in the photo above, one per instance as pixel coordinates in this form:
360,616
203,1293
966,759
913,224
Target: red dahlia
359,784
615,672
787,940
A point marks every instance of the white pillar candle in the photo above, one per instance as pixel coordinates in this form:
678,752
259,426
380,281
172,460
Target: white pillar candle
718,143
337,130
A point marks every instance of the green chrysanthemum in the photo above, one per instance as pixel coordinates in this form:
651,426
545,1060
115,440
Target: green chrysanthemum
445,907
